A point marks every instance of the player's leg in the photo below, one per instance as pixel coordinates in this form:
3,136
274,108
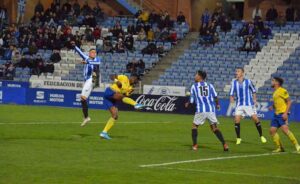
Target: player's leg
258,127
199,119
291,136
214,128
127,100
237,119
85,93
194,136
110,123
275,136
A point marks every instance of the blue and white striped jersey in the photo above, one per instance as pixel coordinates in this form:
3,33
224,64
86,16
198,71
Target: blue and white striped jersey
243,92
203,94
89,66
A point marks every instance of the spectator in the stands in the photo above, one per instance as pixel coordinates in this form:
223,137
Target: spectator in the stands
280,21
16,58
76,8
32,49
272,14
140,69
256,13
131,29
8,54
150,35
150,49
1,40
98,11
173,36
119,47
203,29
131,67
180,18
205,18
141,35
234,13
38,65
266,32
107,46
144,16
97,32
226,25
55,56
290,14
128,42
251,31
39,7
3,17
86,9
9,71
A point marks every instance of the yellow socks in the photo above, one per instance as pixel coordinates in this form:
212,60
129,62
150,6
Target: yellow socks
129,101
110,123
292,138
277,141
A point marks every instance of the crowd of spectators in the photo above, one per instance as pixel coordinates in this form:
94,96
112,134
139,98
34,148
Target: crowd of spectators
209,22
52,29
136,67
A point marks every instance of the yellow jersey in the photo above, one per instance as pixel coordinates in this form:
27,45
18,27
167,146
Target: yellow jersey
280,96
126,88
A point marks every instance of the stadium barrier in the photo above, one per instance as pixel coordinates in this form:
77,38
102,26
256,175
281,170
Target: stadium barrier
12,92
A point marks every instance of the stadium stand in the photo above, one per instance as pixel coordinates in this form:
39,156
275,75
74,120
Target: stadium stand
221,60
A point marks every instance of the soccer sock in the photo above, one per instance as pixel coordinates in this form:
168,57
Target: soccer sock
129,101
276,140
219,135
292,138
194,136
259,129
110,123
84,106
237,130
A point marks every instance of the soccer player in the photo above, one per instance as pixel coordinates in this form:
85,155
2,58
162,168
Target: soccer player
245,93
205,97
90,63
120,90
281,106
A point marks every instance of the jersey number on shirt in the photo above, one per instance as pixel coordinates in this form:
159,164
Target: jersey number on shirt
203,90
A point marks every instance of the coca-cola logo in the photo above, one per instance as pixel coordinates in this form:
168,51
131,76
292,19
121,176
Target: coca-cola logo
163,103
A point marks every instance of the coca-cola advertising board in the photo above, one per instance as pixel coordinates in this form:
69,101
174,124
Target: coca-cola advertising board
158,103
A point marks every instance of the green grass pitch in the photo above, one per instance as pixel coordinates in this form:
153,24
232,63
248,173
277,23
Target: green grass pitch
46,145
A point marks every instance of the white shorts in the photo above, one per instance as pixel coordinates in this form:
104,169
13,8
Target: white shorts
200,118
245,111
87,88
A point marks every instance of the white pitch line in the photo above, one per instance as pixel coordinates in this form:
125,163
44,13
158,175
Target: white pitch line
233,173
210,159
64,123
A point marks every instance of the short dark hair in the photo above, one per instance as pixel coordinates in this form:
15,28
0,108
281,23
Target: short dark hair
279,80
202,74
92,49
240,68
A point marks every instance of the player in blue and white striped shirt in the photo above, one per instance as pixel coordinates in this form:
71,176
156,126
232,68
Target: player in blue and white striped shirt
204,96
90,61
244,92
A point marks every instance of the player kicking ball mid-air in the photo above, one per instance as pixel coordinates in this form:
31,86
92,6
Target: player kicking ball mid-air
205,97
89,78
245,93
120,90
281,106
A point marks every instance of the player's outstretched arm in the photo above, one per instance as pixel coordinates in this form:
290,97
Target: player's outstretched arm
78,50
217,103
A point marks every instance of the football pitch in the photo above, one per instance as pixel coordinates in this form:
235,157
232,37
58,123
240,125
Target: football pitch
46,145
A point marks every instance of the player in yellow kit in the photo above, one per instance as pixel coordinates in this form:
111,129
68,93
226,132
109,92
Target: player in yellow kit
281,106
120,90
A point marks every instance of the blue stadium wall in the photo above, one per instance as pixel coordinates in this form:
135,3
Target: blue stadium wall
12,92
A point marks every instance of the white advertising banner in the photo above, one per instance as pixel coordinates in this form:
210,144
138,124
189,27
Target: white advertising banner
62,84
164,90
